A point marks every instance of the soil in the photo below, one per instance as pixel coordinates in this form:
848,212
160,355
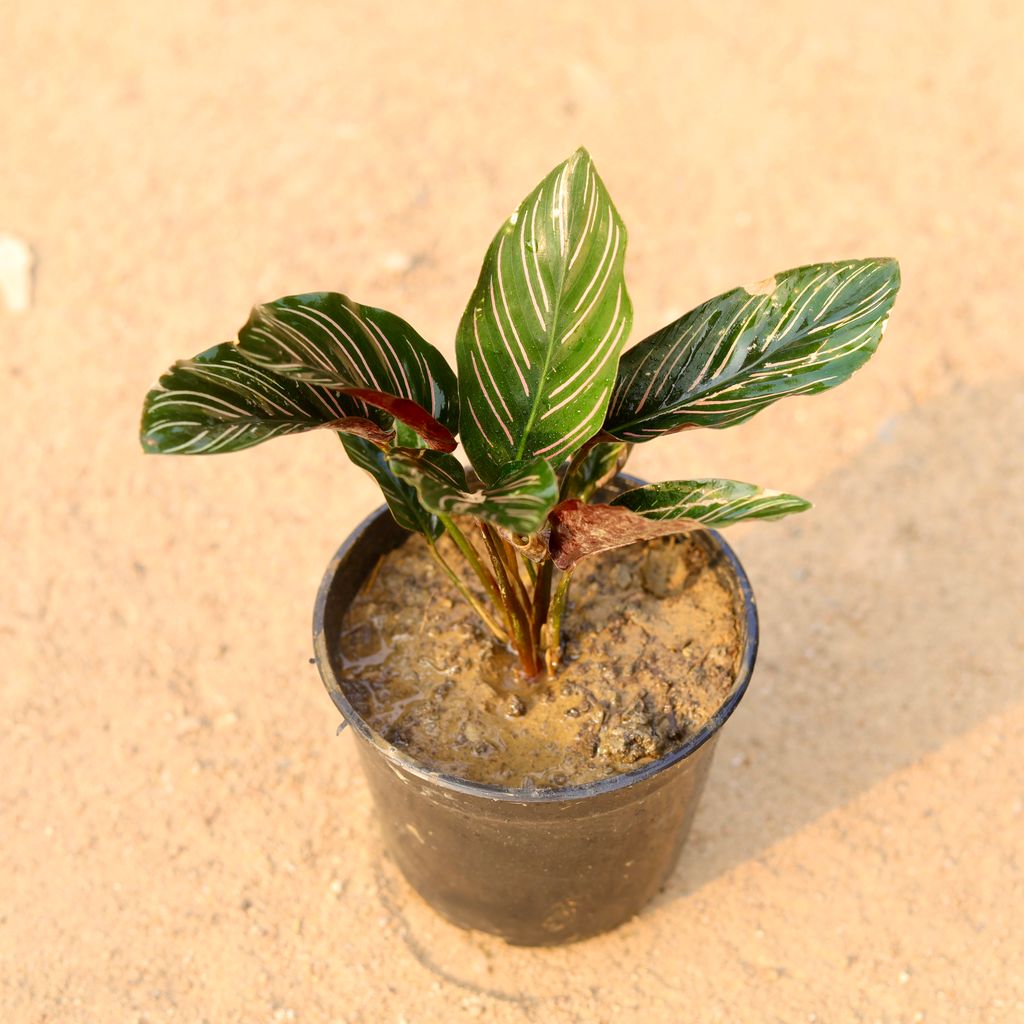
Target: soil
653,636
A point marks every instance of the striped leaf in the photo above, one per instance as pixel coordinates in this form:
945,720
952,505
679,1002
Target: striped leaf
538,344
518,500
799,333
219,402
579,530
405,506
327,339
600,463
442,469
710,502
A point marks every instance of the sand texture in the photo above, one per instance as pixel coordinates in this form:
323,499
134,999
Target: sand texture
184,839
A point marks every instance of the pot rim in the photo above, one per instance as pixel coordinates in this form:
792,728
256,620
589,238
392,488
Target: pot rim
580,791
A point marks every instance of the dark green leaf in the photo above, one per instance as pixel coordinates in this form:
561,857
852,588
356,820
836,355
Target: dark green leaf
711,502
414,466
328,339
599,465
579,530
799,333
405,506
517,500
539,341
219,402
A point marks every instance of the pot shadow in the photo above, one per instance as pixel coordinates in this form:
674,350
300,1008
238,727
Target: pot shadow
888,626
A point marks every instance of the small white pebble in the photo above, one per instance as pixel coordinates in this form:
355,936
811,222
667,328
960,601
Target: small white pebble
16,261
904,977
397,262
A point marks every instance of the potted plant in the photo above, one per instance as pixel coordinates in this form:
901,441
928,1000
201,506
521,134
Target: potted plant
491,814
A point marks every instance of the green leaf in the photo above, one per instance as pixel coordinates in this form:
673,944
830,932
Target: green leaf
799,333
599,465
328,339
517,500
405,506
219,402
538,344
442,469
710,502
406,437
579,530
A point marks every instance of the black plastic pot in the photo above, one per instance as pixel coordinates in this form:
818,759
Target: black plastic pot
537,867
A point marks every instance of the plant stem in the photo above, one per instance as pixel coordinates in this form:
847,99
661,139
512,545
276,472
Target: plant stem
541,598
499,633
518,620
473,558
553,654
511,560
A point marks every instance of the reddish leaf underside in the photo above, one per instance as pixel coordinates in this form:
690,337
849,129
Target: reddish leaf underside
579,530
436,434
362,427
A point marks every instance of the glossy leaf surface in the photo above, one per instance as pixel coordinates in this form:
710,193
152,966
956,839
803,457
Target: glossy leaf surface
539,342
599,465
518,500
579,529
402,499
710,502
219,402
328,339
799,333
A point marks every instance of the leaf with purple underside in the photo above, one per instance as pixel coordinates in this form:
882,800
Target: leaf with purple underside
410,415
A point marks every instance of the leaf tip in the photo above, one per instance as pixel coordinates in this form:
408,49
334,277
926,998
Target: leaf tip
893,265
886,266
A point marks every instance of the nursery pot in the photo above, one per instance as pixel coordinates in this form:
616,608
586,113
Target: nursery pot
536,867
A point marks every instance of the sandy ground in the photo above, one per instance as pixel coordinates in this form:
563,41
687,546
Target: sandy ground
183,837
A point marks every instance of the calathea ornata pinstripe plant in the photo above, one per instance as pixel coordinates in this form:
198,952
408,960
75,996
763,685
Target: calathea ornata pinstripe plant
546,409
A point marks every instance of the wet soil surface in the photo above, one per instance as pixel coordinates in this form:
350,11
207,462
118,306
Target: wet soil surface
653,637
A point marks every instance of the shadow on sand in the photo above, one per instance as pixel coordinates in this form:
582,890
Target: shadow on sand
889,625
